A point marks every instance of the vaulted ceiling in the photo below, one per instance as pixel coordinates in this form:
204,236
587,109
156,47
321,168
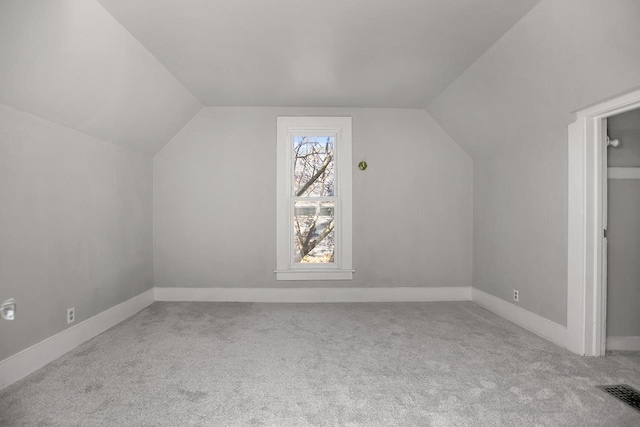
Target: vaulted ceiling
134,72
342,53
72,63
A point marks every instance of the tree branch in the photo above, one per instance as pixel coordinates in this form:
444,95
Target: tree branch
315,176
320,237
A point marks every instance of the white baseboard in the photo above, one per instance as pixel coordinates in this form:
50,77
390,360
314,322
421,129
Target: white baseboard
539,325
35,357
623,343
311,295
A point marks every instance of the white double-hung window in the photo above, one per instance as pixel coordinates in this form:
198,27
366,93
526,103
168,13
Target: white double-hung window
314,198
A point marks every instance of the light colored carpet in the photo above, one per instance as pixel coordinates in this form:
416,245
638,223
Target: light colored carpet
374,364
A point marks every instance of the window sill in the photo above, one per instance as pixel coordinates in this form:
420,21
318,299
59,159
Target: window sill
314,274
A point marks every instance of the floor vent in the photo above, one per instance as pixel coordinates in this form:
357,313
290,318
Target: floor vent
628,395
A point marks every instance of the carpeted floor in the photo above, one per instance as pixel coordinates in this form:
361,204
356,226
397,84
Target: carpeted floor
374,364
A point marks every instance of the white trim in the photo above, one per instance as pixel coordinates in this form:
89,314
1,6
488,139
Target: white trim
341,128
311,295
539,325
585,269
623,173
623,343
328,274
35,357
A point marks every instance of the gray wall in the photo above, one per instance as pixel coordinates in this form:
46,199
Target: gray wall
626,128
75,226
510,110
215,191
623,281
520,238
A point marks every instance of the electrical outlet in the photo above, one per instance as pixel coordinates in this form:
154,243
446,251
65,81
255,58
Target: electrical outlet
516,295
71,315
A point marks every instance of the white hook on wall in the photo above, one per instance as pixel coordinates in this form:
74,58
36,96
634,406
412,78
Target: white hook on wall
8,309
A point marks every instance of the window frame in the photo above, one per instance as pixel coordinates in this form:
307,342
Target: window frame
287,128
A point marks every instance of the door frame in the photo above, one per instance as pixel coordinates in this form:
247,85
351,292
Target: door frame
586,301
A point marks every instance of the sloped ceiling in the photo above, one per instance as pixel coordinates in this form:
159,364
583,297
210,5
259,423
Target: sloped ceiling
136,79
330,53
561,57
71,62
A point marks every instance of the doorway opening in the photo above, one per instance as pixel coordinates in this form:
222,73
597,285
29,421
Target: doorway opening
621,208
587,173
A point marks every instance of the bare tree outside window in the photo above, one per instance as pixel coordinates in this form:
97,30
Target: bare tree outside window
314,206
